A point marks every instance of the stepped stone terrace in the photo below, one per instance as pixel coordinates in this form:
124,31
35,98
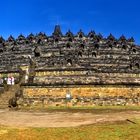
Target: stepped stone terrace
85,66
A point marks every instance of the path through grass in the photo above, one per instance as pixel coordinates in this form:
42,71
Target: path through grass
109,131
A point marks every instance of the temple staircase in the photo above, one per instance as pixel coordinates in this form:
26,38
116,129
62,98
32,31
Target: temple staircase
9,93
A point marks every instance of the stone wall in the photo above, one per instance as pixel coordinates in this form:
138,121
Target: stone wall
83,72
84,77
82,95
88,91
12,74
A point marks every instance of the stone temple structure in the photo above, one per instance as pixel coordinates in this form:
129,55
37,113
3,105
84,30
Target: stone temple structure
82,69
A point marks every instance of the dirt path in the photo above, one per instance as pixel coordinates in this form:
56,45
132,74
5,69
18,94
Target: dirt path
60,119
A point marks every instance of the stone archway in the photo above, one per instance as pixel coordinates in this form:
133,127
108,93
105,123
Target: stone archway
69,62
37,52
137,65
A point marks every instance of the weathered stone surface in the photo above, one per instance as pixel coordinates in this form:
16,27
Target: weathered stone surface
94,69
87,91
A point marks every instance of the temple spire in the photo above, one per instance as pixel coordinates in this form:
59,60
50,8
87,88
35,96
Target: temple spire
111,37
57,31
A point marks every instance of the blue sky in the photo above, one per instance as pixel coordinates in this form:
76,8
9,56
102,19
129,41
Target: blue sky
105,16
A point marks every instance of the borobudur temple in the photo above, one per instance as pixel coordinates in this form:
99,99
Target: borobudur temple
80,69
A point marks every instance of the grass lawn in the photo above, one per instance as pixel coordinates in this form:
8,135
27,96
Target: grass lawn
123,130
86,109
112,131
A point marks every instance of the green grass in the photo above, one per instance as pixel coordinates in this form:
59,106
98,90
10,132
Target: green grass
86,109
123,130
114,131
96,107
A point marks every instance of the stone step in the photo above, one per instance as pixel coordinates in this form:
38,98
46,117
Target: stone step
3,106
7,95
5,103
